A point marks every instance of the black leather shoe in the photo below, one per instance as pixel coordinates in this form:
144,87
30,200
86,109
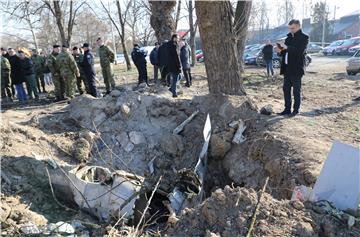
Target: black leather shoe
294,113
285,112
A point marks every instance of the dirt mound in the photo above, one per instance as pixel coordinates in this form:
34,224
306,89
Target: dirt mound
228,212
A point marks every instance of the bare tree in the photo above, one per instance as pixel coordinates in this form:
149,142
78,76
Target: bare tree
192,30
242,15
177,16
219,42
161,19
138,22
120,26
61,8
24,11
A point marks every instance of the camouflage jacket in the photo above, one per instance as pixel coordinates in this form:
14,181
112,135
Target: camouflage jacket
5,65
39,63
106,55
79,58
51,63
66,63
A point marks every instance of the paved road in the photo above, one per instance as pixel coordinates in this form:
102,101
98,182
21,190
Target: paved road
328,64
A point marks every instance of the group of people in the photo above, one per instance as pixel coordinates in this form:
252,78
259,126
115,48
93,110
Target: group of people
170,58
63,69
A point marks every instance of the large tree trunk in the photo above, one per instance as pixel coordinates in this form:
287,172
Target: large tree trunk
192,33
219,45
122,36
161,20
242,15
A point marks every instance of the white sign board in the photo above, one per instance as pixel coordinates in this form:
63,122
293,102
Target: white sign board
339,180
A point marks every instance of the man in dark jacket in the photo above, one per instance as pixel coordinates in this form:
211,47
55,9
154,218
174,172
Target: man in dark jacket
154,60
174,65
267,52
293,52
138,57
163,56
89,69
27,70
185,53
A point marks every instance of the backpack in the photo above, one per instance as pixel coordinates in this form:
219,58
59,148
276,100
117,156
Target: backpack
153,57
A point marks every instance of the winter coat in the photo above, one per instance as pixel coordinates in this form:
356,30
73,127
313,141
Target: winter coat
26,69
154,57
185,53
106,55
173,64
268,52
66,64
163,55
296,49
51,63
15,70
138,57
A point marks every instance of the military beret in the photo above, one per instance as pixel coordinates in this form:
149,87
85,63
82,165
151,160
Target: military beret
85,45
65,46
56,46
75,48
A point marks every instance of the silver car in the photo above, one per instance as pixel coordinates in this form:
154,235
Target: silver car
353,64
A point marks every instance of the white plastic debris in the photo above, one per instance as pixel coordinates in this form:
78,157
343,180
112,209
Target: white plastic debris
339,180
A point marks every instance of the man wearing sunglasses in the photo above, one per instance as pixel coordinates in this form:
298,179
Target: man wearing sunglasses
293,52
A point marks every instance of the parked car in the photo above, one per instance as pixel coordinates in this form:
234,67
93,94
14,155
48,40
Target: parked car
354,49
250,56
313,48
199,55
120,58
343,49
277,60
353,64
330,50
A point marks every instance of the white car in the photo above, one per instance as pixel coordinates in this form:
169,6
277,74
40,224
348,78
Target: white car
353,64
354,49
331,49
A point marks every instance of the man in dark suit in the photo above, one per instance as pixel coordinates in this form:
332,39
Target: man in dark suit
293,52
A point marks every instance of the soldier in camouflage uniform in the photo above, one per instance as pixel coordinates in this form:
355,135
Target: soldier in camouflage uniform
59,83
79,58
39,64
68,70
107,57
5,78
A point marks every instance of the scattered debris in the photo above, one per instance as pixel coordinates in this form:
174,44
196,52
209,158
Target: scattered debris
179,128
239,137
267,110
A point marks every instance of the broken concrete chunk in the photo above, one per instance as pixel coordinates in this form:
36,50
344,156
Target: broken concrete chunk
304,229
239,137
266,110
220,143
125,109
137,137
30,229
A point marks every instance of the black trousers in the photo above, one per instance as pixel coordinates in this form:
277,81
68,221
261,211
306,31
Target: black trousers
142,74
187,75
90,77
292,81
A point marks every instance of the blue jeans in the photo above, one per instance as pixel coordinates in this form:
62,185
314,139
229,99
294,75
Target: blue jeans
269,67
21,95
175,77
